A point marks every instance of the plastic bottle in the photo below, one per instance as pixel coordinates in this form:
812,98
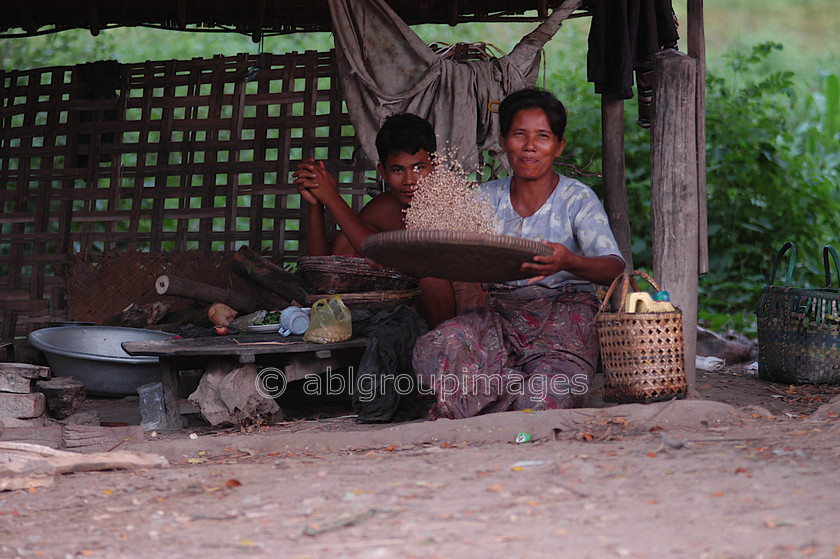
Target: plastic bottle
642,302
152,414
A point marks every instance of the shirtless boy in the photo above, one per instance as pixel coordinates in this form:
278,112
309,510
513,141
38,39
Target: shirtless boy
405,145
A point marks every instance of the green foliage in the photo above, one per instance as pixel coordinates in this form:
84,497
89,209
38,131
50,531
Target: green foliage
831,119
826,102
137,44
767,182
772,175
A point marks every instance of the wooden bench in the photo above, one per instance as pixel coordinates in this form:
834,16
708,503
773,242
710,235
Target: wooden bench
292,356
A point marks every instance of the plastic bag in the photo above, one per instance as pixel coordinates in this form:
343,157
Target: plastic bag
329,322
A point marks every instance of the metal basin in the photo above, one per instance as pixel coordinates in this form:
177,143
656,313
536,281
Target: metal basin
93,355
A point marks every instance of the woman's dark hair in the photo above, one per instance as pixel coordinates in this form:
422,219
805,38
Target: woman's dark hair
405,132
533,99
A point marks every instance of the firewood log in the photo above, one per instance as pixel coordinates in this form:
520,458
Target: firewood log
249,264
181,287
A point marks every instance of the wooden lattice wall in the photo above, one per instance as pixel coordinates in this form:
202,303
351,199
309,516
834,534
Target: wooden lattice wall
160,156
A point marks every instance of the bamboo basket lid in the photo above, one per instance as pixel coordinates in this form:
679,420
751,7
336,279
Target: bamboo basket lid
453,255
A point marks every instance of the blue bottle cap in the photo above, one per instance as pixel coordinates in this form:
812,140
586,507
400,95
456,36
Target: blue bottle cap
661,296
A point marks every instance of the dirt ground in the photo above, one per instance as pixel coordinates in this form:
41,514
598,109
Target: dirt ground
748,469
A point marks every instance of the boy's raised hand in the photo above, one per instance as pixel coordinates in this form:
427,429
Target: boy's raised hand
314,183
306,194
304,179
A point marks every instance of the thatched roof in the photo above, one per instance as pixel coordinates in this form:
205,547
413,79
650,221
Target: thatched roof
255,18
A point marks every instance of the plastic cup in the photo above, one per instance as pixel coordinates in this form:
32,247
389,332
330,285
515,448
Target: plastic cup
295,320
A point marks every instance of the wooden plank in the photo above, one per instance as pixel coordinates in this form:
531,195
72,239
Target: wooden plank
81,436
51,435
28,465
674,204
249,344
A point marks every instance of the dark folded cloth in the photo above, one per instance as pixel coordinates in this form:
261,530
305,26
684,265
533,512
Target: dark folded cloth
385,387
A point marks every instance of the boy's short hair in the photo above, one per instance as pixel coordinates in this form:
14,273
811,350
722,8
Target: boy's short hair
533,99
405,132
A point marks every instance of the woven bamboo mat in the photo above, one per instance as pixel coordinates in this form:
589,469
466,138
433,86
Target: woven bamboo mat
100,286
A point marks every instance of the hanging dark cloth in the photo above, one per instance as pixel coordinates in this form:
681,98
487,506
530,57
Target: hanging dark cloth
624,35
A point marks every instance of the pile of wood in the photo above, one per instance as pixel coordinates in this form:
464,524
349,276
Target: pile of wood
271,287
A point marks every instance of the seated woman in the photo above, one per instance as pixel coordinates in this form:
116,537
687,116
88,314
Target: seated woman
534,344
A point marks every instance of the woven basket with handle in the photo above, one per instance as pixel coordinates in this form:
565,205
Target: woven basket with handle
642,353
799,327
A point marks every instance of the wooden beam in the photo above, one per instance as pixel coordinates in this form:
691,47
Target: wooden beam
697,50
453,13
182,14
24,10
615,185
674,205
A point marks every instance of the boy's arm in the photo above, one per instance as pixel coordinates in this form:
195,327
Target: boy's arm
314,178
317,243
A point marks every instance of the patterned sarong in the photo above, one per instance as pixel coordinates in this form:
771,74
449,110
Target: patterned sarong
531,347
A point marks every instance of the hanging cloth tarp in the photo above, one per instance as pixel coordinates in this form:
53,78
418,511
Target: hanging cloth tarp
387,69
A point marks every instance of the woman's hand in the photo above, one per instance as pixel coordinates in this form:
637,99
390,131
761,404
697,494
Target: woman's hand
543,266
597,269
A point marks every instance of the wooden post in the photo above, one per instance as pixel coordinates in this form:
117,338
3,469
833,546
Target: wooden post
171,381
615,186
697,50
673,206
